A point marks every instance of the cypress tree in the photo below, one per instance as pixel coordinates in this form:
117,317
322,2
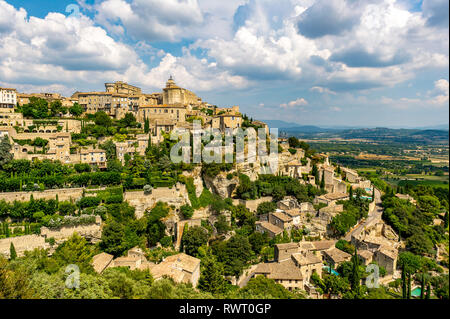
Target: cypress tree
355,276
12,252
428,295
146,126
7,232
403,282
422,287
446,220
322,182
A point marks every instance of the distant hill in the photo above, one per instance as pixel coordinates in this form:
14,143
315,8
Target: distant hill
280,124
294,127
435,127
380,134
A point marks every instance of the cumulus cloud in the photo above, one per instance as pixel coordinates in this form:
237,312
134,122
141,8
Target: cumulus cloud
77,54
320,89
149,19
328,17
359,57
443,87
297,102
329,47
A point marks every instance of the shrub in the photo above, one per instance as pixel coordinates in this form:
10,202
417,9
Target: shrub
148,189
187,211
266,207
166,241
89,202
114,199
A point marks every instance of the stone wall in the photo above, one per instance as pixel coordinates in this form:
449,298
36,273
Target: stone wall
22,244
252,205
176,196
91,232
64,194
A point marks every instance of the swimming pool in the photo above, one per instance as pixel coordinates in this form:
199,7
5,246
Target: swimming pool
416,292
327,269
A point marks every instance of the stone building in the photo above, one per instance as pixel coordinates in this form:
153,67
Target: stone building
181,268
94,157
173,94
24,98
266,227
120,87
282,220
176,112
8,99
292,266
330,198
285,273
335,256
130,147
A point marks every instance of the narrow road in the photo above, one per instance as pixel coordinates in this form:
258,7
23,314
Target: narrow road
373,215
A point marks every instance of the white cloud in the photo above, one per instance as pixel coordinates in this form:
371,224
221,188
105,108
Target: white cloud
320,89
443,87
150,20
436,98
74,54
297,102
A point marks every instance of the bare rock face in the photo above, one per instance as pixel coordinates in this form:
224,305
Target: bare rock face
221,185
197,177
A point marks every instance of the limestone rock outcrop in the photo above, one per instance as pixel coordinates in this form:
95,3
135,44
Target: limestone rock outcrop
221,185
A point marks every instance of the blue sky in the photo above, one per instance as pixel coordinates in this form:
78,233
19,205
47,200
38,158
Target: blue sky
312,62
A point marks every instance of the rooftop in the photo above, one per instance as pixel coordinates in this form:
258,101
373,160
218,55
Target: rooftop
270,227
285,270
101,261
323,244
306,258
337,255
282,216
335,196
292,212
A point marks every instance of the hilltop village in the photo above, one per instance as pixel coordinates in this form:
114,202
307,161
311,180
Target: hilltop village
93,171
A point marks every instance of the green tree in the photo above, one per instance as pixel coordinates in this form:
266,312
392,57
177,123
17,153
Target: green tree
55,108
5,149
322,182
146,126
14,284
12,252
113,235
355,280
234,254
212,276
102,119
187,211
76,110
266,207
261,287
193,239
75,250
